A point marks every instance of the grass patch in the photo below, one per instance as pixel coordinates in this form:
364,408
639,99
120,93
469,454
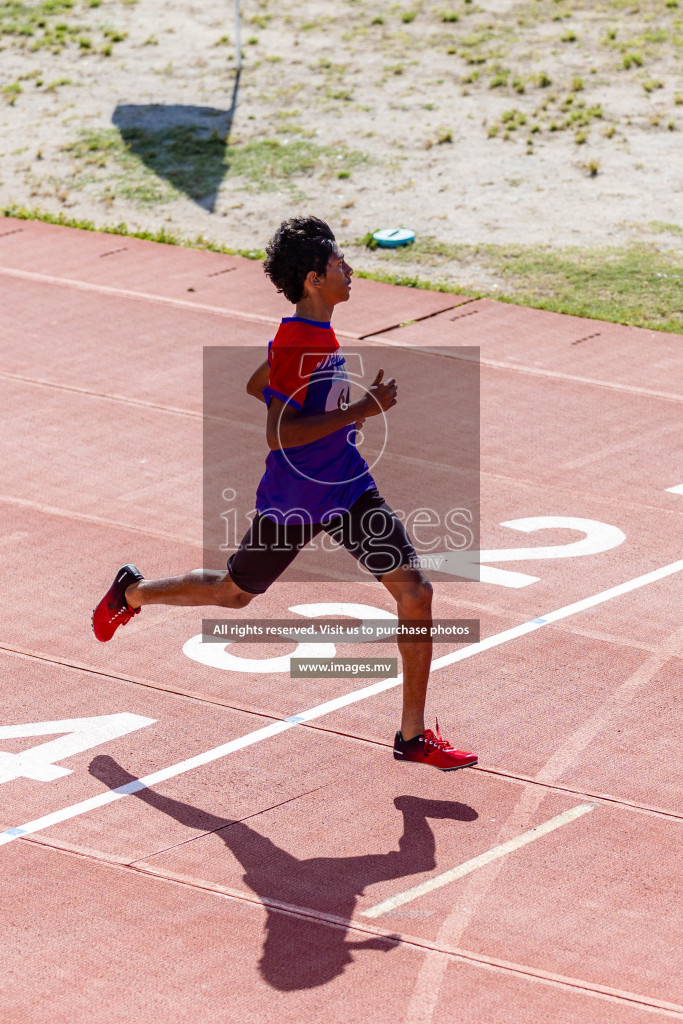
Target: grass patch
509,121
163,235
662,226
638,285
39,26
267,163
105,158
23,19
11,92
499,79
57,83
153,167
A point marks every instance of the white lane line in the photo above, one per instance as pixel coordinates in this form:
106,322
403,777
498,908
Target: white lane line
678,489
29,828
478,862
149,780
105,289
533,371
164,300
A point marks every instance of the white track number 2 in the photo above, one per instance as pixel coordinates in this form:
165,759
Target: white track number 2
80,734
471,564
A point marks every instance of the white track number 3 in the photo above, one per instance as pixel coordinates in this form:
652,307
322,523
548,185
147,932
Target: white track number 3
80,734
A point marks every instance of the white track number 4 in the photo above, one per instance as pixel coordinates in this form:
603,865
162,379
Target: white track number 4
80,734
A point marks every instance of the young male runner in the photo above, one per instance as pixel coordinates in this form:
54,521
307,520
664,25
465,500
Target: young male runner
315,466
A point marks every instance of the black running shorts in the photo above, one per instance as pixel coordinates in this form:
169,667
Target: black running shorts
370,531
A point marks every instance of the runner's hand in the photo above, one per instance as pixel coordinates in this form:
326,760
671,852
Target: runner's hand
380,397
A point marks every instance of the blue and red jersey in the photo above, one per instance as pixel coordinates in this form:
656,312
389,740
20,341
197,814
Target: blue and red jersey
308,371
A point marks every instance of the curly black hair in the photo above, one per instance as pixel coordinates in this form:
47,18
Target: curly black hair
299,245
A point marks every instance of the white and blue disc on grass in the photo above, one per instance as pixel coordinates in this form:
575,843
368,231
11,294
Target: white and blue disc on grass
391,238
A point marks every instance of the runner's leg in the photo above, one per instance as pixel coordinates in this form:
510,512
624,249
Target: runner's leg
265,551
198,587
376,537
413,595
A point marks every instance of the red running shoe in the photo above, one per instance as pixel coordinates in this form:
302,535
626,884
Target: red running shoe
432,749
113,610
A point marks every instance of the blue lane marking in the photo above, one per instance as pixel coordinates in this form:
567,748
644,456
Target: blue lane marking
540,622
295,719
15,832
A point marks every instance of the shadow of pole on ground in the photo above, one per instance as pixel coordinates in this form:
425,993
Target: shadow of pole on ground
298,953
185,145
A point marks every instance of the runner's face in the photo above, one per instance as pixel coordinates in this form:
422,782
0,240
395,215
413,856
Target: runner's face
336,285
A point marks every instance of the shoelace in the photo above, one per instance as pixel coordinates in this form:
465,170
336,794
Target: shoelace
437,742
127,611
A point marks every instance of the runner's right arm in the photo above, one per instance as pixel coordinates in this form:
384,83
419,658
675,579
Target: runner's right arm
286,428
258,381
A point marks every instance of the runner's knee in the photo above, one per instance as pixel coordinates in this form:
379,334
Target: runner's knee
415,599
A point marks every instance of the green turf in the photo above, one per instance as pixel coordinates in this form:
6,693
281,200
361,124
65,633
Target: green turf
151,167
639,285
162,235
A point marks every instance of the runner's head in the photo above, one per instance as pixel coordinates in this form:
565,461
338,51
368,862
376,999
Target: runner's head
303,255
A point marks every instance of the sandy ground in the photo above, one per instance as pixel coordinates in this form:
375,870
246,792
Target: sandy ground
548,122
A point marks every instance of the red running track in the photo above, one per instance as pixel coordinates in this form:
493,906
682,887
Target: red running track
238,889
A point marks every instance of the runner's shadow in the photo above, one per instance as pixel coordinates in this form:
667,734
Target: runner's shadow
301,952
185,145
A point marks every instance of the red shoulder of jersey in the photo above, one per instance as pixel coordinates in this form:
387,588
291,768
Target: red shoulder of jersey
294,353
